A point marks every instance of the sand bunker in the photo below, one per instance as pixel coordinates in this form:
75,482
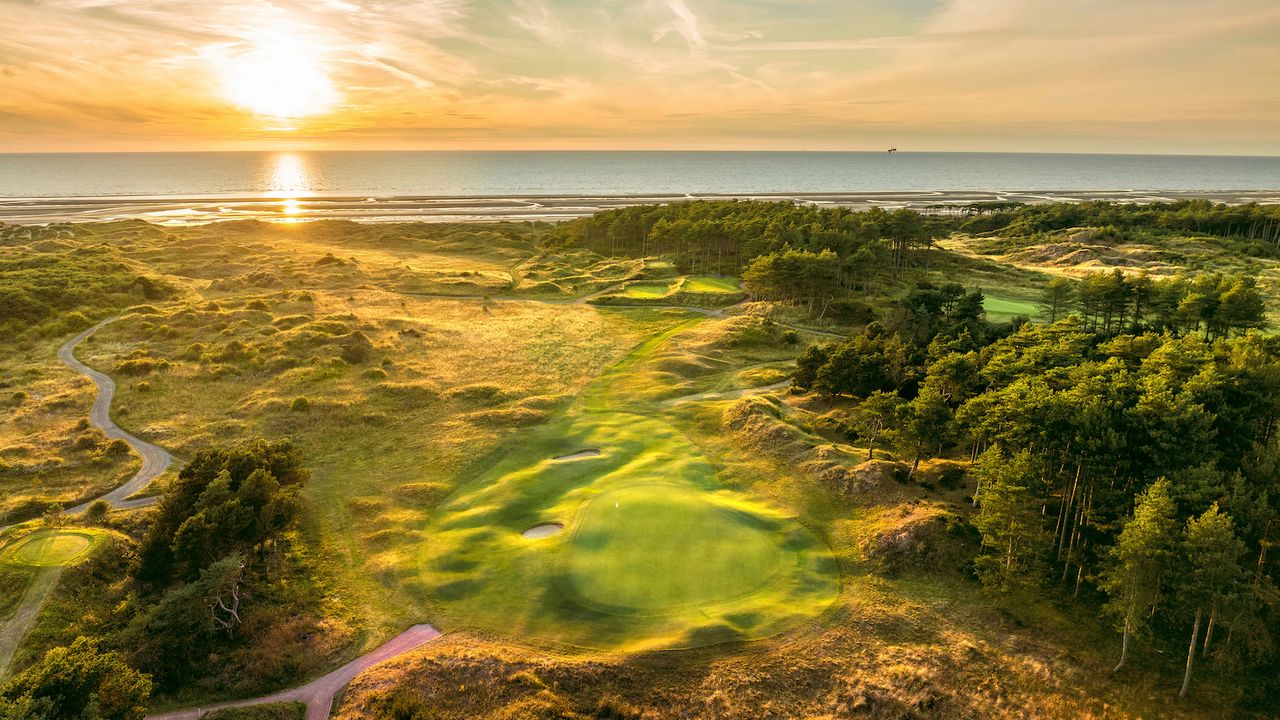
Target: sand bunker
589,452
537,532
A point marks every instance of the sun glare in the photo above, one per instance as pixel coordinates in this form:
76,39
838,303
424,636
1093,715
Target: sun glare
281,78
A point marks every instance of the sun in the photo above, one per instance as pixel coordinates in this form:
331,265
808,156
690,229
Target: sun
280,78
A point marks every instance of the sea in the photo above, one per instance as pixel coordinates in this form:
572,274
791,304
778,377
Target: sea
173,188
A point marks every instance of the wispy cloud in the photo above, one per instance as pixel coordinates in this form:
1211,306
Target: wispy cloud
952,74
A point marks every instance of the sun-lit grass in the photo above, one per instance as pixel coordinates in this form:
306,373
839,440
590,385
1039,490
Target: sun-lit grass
647,290
48,452
1003,308
387,435
686,562
52,547
710,284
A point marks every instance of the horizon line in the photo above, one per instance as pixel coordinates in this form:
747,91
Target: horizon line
644,151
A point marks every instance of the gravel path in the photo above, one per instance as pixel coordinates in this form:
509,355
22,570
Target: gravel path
154,459
318,694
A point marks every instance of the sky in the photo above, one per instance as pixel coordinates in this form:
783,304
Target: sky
1130,76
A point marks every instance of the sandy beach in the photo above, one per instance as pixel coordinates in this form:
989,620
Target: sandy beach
548,208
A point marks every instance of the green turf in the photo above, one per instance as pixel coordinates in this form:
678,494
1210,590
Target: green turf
647,290
51,548
655,552
693,551
710,284
1003,308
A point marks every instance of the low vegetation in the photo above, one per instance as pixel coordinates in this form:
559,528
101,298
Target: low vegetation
997,483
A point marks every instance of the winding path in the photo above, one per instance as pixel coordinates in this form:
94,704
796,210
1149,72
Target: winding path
155,460
318,694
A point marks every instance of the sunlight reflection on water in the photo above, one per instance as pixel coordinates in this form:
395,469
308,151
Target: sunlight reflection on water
290,180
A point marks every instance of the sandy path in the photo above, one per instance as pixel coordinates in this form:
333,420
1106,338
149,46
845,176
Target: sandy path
318,694
15,628
154,459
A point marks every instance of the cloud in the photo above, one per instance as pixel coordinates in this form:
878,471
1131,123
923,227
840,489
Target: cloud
939,74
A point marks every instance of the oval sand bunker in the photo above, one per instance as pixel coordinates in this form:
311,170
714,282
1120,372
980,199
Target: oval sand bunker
537,532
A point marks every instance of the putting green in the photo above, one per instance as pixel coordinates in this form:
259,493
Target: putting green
693,551
648,290
50,548
1004,308
710,284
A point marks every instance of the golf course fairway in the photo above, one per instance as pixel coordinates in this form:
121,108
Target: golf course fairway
655,552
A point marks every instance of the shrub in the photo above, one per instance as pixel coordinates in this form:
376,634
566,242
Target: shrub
300,404
97,511
86,442
141,366
356,348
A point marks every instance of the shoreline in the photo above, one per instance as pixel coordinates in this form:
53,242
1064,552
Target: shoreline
277,207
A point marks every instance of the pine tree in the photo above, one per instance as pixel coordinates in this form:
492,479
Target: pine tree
1214,572
1008,519
1141,559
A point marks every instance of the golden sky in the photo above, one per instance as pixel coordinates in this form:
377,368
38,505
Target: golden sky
1179,76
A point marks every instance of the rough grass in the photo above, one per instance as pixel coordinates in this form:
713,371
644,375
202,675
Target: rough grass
48,452
1082,251
417,389
430,426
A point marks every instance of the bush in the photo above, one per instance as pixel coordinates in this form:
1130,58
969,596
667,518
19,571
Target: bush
86,442
97,511
71,680
300,404
356,348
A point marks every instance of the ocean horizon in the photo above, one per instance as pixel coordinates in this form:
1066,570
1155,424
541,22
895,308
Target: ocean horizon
180,187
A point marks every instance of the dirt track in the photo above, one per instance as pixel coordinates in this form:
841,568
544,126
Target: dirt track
318,694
